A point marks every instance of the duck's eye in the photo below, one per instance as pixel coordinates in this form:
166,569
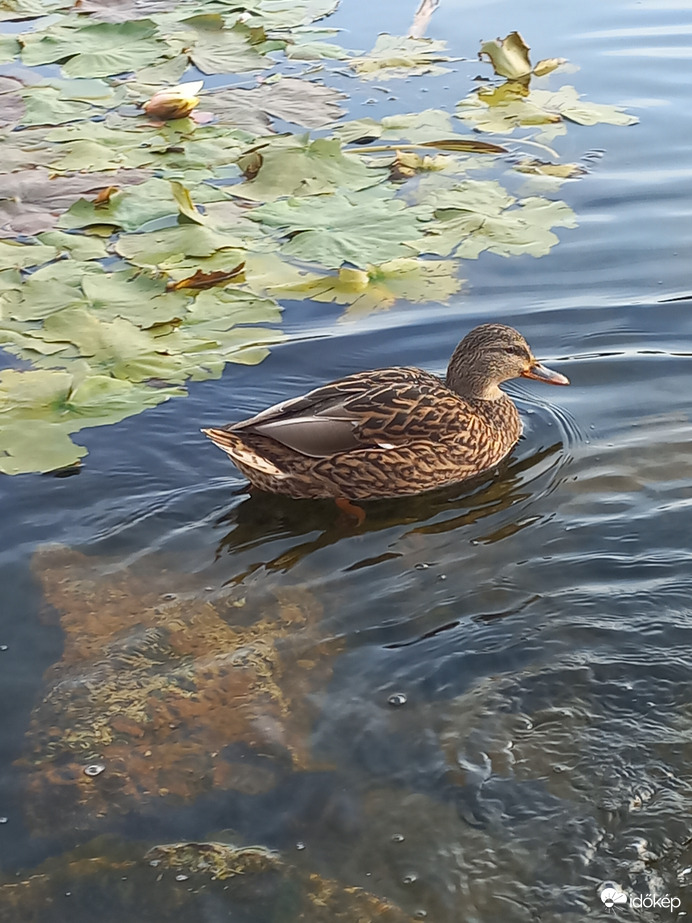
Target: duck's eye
516,351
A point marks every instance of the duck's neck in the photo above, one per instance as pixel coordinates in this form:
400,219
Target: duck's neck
469,383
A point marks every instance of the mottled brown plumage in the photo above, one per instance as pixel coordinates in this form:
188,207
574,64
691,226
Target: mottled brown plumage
390,432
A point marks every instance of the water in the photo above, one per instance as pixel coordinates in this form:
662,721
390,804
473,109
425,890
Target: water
486,710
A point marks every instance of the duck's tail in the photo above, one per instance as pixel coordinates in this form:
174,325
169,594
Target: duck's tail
247,458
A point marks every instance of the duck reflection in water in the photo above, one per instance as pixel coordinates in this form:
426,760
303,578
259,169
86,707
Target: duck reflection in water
260,521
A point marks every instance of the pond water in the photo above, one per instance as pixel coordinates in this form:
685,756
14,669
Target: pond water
483,711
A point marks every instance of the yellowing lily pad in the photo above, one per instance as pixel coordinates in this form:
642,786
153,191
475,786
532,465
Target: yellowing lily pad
378,288
400,56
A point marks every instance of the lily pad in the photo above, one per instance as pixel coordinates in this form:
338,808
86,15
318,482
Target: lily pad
127,208
96,49
401,56
378,288
330,230
14,255
509,57
300,167
302,102
512,105
220,50
40,408
476,216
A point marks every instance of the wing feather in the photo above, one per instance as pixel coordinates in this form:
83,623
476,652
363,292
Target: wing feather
382,408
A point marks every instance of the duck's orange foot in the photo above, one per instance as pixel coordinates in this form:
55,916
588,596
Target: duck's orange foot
351,509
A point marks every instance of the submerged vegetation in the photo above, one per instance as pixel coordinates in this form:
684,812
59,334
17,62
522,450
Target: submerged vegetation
148,232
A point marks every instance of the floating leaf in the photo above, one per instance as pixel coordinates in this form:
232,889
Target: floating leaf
186,206
571,106
220,50
331,230
477,216
504,108
39,408
127,208
95,49
380,287
401,56
408,164
309,45
203,280
556,170
509,56
301,102
77,246
31,200
298,166
14,255
173,245
413,127
9,48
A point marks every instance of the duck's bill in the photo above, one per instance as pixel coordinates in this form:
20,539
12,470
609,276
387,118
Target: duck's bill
541,373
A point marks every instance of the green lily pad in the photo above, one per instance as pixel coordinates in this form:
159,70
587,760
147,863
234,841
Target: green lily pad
287,14
222,50
134,296
95,49
128,208
9,48
77,246
476,216
411,127
39,408
298,166
32,200
14,255
158,249
330,230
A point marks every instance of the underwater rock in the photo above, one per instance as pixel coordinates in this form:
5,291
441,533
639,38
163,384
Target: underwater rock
172,694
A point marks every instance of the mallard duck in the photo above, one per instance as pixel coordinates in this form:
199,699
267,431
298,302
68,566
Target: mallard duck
390,432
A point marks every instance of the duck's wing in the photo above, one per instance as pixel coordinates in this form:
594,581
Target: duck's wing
382,408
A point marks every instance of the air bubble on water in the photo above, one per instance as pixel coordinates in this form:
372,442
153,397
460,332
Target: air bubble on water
94,769
396,699
181,877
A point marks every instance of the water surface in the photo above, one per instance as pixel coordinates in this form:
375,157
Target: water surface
496,676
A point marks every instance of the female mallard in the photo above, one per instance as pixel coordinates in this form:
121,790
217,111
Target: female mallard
390,432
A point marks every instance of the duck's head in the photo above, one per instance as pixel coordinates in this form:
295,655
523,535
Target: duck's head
491,354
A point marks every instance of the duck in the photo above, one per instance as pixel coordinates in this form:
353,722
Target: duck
390,432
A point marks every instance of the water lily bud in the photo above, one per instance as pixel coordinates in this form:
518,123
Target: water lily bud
174,102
